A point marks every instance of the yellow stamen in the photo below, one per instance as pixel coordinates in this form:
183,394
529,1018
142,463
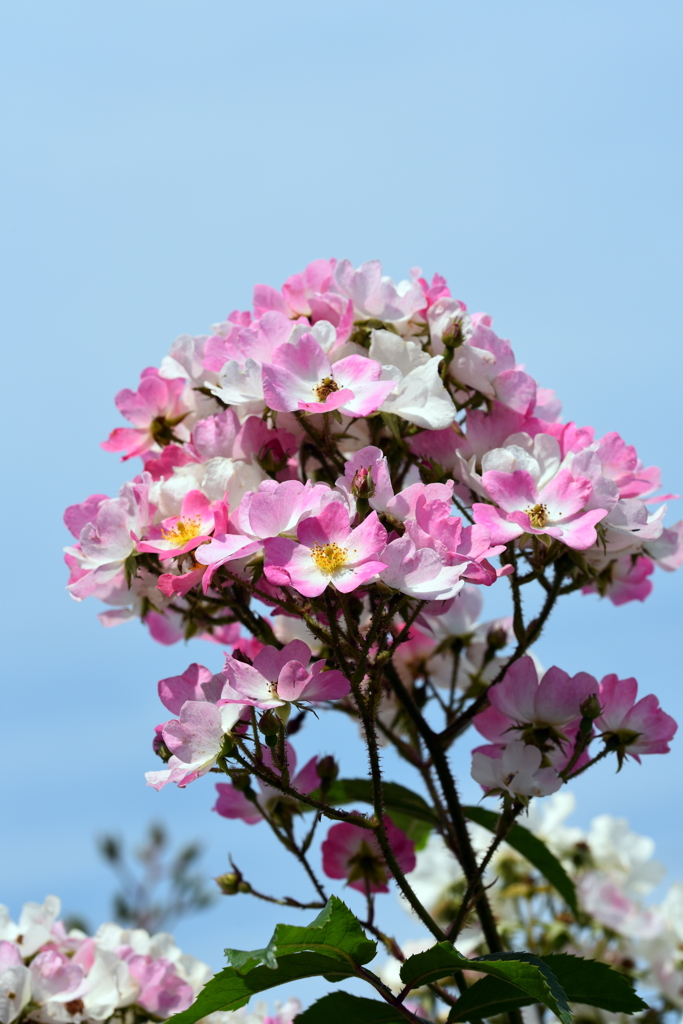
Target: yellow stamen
326,387
538,516
183,531
329,557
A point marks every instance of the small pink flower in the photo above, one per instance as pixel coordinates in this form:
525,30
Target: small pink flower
302,377
156,411
419,573
278,678
162,991
521,700
632,727
555,509
516,770
195,740
628,580
329,551
352,852
193,685
180,534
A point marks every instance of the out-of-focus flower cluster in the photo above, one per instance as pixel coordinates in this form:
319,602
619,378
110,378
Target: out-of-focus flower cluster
614,873
54,976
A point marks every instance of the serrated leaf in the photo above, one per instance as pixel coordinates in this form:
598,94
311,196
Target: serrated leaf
584,981
589,982
533,849
336,932
229,990
343,1008
407,810
524,971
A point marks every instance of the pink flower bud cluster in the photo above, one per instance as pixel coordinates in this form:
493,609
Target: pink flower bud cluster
53,976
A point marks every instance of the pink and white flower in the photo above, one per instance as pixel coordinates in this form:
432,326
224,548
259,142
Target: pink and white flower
156,410
629,726
278,678
179,534
301,377
195,739
328,552
516,769
556,510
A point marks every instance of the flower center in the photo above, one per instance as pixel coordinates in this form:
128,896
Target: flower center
329,557
538,516
183,531
326,387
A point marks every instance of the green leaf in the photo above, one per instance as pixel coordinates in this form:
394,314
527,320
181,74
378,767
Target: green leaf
229,990
333,945
584,981
336,933
524,971
534,849
343,1008
407,810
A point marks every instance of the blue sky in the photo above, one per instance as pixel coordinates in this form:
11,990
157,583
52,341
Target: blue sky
158,159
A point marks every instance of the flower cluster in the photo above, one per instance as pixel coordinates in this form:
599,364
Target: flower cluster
540,731
231,426
614,873
329,483
54,976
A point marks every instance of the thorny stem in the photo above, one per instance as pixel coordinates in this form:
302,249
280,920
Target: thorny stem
530,636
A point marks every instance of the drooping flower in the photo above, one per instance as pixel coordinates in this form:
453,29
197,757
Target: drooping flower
632,727
515,769
354,853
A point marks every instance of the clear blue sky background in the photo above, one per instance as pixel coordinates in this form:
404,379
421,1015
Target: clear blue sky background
159,158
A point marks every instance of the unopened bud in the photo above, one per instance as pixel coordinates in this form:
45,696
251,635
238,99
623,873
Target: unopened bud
362,485
327,769
272,458
228,883
269,724
241,779
497,638
244,887
591,707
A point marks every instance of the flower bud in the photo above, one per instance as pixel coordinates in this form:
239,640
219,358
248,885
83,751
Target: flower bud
497,639
228,883
362,485
269,724
327,769
241,779
243,887
591,707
